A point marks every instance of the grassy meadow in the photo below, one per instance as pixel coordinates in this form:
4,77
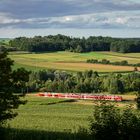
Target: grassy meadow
70,61
51,114
50,118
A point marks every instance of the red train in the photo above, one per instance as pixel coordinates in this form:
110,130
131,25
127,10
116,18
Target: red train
81,96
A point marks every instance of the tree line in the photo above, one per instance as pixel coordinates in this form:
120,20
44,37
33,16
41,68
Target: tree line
65,43
105,61
82,82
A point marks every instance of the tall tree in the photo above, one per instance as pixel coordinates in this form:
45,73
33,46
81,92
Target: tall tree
10,79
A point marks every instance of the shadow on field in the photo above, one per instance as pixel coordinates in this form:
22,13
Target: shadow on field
58,102
21,134
128,101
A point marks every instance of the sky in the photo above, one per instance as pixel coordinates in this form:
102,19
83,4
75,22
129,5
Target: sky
78,18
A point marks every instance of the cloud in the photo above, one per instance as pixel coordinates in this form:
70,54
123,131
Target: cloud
52,8
72,14
121,20
97,20
6,19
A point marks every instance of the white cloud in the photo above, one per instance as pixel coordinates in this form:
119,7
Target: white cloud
97,20
121,20
6,19
70,14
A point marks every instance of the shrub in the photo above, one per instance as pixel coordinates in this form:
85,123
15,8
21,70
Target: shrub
109,123
105,61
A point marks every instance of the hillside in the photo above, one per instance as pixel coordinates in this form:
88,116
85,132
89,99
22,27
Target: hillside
74,61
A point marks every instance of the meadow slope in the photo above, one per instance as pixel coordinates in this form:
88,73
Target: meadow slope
74,61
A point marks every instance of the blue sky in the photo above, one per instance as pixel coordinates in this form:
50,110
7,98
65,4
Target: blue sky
116,18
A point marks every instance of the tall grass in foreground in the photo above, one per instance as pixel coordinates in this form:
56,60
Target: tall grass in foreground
21,134
43,118
50,119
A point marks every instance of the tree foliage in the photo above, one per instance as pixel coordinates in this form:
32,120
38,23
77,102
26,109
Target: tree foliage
83,82
108,122
9,81
60,43
107,62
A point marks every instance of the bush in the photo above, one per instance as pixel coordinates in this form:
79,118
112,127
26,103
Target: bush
92,61
124,63
109,123
105,61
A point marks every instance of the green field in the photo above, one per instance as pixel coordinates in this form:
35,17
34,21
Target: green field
53,114
50,118
74,61
50,115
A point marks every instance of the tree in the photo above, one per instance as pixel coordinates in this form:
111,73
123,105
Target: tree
112,84
79,49
136,85
108,122
9,80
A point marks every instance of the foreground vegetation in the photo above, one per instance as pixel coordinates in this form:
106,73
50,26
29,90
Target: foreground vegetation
44,118
51,119
51,114
9,81
109,122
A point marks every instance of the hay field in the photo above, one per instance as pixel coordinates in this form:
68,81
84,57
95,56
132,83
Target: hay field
74,61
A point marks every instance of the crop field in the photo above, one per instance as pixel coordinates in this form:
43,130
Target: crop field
54,114
51,114
54,117
74,61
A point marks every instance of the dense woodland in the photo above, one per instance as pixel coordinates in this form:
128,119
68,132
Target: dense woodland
65,43
82,82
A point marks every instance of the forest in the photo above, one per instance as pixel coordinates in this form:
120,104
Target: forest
82,82
65,43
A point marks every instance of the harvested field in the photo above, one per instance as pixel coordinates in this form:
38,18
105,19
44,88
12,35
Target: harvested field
73,61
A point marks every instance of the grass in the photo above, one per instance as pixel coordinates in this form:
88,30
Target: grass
22,134
28,67
53,119
126,55
73,61
56,115
49,119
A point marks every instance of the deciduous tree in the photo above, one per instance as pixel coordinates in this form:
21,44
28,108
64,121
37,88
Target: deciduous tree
9,80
